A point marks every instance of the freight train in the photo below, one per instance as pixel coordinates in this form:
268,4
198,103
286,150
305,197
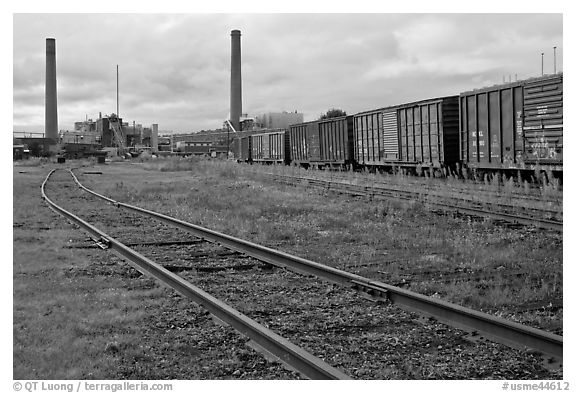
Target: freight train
515,126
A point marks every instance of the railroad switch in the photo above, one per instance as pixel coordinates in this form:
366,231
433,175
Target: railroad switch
371,292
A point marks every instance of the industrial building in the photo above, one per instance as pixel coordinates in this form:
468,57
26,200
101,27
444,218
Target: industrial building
113,134
89,137
242,122
273,120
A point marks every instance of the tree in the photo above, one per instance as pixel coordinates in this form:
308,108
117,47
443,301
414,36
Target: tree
332,113
35,149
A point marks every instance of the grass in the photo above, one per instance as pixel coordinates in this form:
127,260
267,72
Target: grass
490,189
83,314
385,240
32,162
79,316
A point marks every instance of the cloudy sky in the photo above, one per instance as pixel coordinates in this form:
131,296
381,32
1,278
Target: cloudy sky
175,68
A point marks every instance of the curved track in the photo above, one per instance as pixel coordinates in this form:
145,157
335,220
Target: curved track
477,323
276,345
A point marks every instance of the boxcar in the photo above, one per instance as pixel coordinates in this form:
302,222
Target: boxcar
323,143
517,125
423,133
245,149
335,137
304,143
270,147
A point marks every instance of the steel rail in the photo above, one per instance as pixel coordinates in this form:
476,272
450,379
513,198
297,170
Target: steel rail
455,188
292,355
463,191
502,206
406,195
496,329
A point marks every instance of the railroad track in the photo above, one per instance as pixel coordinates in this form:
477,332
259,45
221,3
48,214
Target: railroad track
533,194
270,342
529,216
479,324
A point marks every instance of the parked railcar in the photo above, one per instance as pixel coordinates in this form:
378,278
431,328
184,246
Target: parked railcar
304,143
322,143
335,137
270,147
517,125
418,134
245,149
514,126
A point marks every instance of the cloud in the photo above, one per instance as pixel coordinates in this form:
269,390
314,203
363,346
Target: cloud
175,68
464,45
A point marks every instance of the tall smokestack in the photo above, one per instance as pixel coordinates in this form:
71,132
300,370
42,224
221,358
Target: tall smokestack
51,104
236,81
154,138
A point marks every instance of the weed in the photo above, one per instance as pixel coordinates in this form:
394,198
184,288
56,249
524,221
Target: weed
357,234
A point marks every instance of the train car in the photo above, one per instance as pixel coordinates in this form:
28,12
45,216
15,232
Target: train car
418,134
335,137
270,147
516,126
304,143
323,143
245,149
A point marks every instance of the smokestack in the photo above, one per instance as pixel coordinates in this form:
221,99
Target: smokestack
51,104
154,138
236,81
554,60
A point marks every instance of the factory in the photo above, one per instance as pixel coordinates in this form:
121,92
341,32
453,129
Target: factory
220,142
111,135
106,136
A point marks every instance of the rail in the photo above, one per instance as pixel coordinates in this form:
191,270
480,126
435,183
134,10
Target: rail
496,329
395,193
279,347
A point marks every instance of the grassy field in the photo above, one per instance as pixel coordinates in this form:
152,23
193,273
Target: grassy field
387,240
84,314
76,317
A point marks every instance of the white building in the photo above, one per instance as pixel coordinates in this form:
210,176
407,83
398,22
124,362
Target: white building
278,119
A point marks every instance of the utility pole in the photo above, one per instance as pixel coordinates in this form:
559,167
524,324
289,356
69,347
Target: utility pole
542,63
117,94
